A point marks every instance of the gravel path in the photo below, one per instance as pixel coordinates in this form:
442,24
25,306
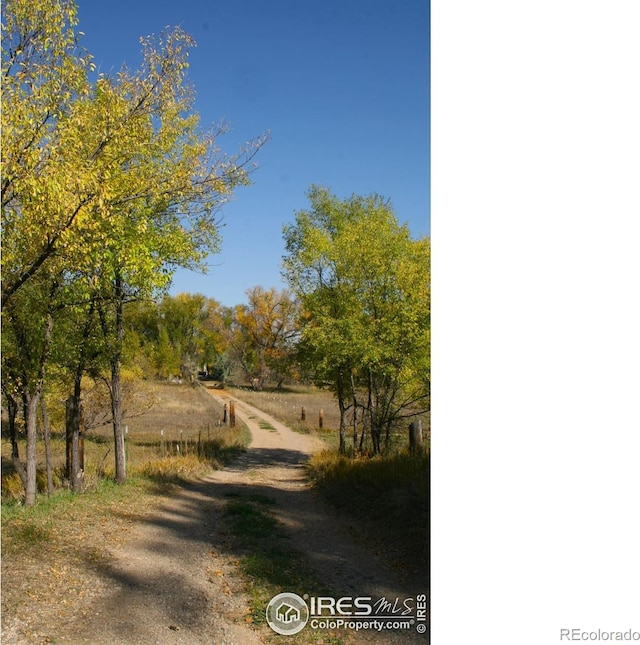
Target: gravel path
175,582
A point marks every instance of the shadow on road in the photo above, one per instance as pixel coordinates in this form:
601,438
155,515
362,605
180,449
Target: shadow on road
194,521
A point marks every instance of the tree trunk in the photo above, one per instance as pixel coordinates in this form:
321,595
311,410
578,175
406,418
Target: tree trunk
374,427
75,459
387,437
46,427
343,425
31,416
75,425
362,437
31,400
12,411
118,428
415,437
355,416
116,390
375,439
340,389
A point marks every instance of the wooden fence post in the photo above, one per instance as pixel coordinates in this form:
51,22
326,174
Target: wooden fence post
232,415
321,419
303,415
224,415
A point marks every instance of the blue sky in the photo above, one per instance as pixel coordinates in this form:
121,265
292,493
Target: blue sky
342,85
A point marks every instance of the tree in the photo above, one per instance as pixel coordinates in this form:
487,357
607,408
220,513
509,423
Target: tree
265,333
177,335
107,186
182,319
165,181
43,72
26,343
365,292
258,337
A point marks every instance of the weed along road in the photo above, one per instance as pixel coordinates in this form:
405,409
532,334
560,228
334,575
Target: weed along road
202,564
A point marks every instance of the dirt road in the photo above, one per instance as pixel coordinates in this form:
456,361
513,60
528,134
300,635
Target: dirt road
174,583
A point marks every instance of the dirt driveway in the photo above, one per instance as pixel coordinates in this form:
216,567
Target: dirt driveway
174,583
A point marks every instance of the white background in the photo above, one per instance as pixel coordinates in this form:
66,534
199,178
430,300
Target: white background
536,319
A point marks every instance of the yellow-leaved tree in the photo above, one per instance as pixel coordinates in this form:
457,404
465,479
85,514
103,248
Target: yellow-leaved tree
108,185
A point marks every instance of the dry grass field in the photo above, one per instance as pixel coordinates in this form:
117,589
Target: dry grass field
383,500
286,405
180,435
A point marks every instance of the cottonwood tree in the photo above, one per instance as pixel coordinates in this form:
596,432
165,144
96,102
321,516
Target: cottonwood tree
176,335
43,72
113,178
164,180
182,319
259,336
265,331
365,292
26,344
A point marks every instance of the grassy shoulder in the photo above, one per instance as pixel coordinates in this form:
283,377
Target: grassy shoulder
269,564
51,551
179,436
390,495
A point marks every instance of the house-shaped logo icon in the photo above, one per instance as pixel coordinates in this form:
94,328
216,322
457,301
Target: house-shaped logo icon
287,614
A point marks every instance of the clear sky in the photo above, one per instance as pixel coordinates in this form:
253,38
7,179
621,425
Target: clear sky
342,85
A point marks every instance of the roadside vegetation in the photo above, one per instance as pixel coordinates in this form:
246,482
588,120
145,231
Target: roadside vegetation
178,436
388,496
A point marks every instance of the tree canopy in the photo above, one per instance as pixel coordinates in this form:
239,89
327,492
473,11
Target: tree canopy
364,287
109,183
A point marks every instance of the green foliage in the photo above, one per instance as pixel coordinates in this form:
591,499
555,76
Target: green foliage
364,285
107,188
173,336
